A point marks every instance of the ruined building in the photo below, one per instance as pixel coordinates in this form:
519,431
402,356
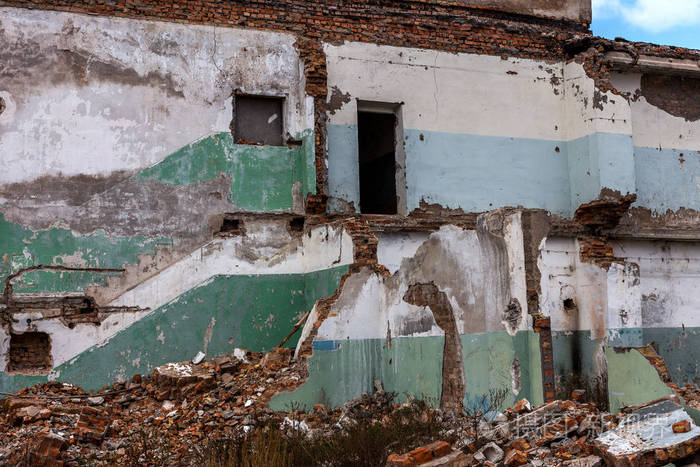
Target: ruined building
449,196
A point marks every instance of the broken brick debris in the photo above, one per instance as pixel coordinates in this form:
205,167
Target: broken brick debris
438,453
93,424
181,406
177,380
277,358
45,451
564,433
653,434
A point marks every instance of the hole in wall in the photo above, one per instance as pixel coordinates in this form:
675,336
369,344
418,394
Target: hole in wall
231,226
296,224
258,120
30,353
570,305
512,316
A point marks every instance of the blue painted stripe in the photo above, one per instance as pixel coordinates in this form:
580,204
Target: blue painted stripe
325,345
667,178
479,173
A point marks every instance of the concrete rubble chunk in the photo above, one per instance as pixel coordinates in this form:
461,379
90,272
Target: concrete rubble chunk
646,436
492,452
178,380
590,461
197,359
240,354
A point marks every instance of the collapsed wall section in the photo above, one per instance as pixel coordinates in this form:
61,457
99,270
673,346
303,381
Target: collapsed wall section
642,297
243,291
378,329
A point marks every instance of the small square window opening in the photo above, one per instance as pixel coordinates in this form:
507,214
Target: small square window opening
258,120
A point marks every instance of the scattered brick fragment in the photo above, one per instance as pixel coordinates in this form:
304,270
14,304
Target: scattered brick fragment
403,460
515,458
681,427
421,455
439,448
45,451
92,424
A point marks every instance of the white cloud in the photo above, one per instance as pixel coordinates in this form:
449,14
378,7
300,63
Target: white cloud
606,7
651,15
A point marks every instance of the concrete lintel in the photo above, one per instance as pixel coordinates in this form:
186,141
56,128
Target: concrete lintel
653,64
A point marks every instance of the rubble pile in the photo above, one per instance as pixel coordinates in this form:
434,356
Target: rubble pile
571,433
184,403
168,417
691,395
557,433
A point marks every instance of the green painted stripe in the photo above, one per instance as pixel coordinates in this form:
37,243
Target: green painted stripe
412,366
262,177
254,312
632,380
21,248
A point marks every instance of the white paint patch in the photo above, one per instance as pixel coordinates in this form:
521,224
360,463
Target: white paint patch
471,273
654,287
668,276
652,126
323,248
513,97
582,113
563,272
394,247
97,124
513,234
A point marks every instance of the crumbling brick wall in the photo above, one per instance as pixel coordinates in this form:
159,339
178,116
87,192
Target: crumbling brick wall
30,352
452,366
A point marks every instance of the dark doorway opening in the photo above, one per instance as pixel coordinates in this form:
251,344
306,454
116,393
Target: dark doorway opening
376,134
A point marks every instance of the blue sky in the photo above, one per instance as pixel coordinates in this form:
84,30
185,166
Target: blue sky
667,22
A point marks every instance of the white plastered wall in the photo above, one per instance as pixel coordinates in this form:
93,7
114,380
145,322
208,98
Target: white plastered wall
166,85
443,91
478,279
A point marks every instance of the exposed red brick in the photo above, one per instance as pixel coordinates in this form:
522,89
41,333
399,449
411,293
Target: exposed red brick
421,455
681,427
439,448
403,460
542,326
